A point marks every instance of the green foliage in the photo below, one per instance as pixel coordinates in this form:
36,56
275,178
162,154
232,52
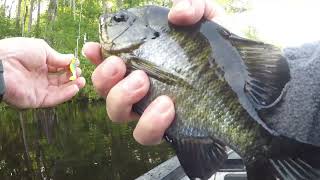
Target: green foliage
62,33
7,28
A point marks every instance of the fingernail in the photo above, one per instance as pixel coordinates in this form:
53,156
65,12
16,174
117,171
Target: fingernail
82,51
182,5
78,62
76,88
161,105
133,82
78,71
67,56
81,82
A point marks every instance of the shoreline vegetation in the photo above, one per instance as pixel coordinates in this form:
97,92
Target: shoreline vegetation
67,24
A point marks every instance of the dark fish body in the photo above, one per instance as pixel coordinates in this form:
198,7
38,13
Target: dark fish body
219,83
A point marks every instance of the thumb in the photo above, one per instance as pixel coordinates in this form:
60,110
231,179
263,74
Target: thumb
186,12
57,59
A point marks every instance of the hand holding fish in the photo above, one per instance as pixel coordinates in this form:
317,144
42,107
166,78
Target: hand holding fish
121,93
224,87
36,75
188,12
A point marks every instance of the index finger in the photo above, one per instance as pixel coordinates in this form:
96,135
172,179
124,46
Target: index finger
92,51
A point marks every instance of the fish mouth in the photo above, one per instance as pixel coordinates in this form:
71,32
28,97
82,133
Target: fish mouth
109,46
108,49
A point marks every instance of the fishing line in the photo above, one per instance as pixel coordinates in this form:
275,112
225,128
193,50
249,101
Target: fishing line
76,51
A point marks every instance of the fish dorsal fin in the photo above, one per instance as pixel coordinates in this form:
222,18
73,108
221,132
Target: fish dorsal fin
267,71
289,160
294,169
286,169
200,157
244,75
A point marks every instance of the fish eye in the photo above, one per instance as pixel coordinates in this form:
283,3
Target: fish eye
155,35
120,17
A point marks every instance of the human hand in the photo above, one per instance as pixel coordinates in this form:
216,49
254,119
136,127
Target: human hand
122,92
188,12
35,74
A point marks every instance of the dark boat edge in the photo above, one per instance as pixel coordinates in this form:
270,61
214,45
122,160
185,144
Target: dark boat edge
233,169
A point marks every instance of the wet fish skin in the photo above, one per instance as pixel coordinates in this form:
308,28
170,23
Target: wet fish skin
205,69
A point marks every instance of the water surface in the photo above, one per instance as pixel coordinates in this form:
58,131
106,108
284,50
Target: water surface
73,141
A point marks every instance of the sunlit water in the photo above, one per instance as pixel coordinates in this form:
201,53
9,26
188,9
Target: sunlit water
72,141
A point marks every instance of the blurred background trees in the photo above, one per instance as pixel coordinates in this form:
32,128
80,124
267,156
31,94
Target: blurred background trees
67,24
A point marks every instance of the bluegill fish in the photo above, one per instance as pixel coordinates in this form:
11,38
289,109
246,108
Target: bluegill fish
220,83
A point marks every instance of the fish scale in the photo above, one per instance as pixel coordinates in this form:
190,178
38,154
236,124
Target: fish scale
208,100
220,83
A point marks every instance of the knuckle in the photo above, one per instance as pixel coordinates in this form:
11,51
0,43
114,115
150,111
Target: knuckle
42,42
99,84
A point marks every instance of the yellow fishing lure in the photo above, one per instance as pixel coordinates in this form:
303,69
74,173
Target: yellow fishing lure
73,67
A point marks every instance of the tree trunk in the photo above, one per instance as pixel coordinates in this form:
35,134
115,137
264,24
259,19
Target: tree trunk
26,147
38,19
18,14
5,4
10,9
74,9
3,13
63,5
24,18
52,10
38,15
119,4
104,6
30,17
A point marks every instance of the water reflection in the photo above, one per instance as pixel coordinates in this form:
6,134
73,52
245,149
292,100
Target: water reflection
72,141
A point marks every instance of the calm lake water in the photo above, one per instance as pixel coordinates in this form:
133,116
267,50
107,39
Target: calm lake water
72,141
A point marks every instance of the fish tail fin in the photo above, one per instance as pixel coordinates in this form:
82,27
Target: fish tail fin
302,162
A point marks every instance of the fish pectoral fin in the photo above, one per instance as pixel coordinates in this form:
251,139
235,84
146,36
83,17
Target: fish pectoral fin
267,71
200,157
136,63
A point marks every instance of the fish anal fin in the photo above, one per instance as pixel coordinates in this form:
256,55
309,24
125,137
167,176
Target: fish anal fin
199,157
